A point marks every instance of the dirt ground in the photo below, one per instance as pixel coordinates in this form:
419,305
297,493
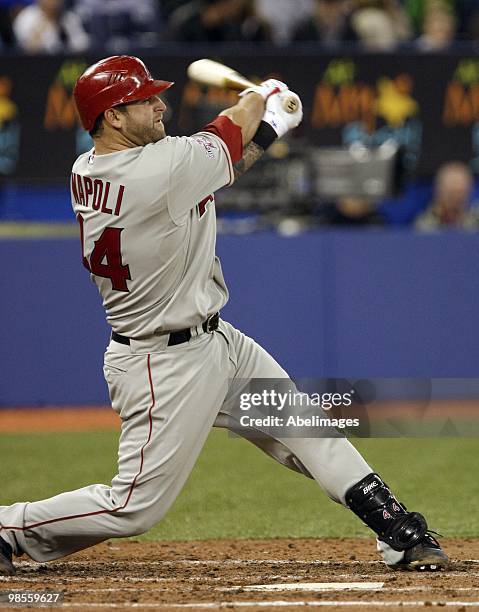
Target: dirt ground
125,575
31,420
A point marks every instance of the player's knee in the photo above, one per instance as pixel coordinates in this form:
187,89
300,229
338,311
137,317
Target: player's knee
135,530
138,522
141,524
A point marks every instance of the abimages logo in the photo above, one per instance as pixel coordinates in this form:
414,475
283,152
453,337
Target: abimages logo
386,515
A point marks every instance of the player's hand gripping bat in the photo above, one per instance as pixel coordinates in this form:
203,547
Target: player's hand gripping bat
208,72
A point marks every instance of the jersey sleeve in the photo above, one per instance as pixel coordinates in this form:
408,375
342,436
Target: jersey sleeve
201,164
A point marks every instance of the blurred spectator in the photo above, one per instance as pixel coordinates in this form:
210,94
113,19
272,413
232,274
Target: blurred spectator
284,16
118,25
218,21
416,10
450,205
438,28
380,25
354,211
329,24
46,27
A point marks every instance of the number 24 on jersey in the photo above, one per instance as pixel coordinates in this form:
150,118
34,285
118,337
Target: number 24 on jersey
105,259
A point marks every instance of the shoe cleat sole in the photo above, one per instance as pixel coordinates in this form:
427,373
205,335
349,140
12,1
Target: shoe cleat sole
423,565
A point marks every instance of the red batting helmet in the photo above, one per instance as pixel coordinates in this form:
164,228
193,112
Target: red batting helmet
113,81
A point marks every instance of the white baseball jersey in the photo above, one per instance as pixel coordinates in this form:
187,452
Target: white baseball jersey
148,230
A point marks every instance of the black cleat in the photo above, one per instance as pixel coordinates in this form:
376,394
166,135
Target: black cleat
426,556
6,566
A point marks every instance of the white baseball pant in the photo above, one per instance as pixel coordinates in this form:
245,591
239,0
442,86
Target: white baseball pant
168,399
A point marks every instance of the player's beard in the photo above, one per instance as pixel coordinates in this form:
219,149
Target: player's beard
145,134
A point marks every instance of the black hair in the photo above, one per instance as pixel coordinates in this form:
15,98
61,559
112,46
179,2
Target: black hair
97,126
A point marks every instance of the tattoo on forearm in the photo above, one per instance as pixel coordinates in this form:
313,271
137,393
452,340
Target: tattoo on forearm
251,154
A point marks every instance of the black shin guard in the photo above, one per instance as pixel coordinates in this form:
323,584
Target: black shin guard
373,502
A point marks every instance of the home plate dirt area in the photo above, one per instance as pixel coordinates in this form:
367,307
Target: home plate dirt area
250,575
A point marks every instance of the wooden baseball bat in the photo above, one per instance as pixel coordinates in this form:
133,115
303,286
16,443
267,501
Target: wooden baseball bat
209,72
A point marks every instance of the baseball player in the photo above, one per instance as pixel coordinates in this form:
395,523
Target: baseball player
145,205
